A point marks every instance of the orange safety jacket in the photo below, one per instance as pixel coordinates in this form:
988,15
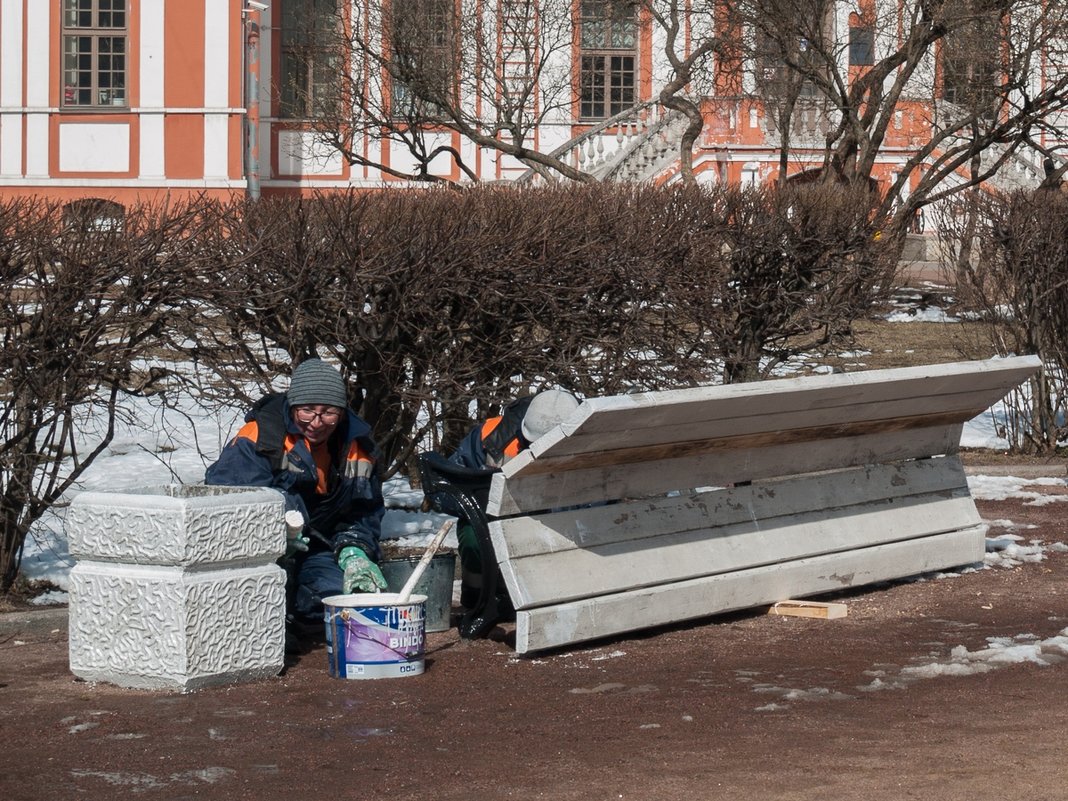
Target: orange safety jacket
512,446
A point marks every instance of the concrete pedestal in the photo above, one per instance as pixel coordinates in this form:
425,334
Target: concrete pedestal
176,587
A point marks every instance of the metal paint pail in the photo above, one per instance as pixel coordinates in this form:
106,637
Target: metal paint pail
374,636
436,584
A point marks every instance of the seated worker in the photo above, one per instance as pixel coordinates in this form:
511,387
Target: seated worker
488,447
311,447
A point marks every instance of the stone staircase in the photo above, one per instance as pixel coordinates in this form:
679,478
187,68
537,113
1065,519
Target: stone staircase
1022,169
631,147
640,143
646,157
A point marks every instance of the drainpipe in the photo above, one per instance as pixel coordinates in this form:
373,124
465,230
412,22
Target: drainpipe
252,13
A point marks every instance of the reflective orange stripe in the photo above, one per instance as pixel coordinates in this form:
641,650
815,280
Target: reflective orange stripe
490,425
247,431
359,463
321,454
512,448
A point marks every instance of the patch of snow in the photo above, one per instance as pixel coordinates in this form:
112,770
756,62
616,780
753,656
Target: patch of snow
930,314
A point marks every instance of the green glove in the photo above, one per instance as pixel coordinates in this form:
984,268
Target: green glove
296,545
361,574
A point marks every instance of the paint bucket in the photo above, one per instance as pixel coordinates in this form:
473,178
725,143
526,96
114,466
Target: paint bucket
436,584
374,636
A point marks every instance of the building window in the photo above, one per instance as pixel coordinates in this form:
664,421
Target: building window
861,46
789,64
309,45
971,68
93,215
94,53
609,41
422,43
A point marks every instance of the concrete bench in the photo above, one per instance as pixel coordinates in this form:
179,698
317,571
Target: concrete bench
682,504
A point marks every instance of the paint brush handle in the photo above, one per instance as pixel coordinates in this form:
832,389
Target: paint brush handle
431,549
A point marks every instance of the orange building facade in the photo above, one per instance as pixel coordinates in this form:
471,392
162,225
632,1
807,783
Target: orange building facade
119,99
122,99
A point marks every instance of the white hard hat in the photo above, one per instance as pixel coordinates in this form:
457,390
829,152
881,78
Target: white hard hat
546,411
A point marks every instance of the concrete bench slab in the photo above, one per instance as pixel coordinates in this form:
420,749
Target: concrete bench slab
646,509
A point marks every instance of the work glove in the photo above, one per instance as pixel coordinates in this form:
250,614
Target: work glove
361,574
295,545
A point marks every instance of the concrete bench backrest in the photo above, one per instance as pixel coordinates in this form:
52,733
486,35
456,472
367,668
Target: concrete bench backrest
846,496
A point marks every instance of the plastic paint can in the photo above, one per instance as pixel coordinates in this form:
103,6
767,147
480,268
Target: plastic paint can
374,636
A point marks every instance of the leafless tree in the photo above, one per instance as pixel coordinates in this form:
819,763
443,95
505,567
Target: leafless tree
954,85
698,43
437,84
435,80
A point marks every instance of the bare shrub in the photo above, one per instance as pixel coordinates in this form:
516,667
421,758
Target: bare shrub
1011,268
443,304
439,305
82,310
800,265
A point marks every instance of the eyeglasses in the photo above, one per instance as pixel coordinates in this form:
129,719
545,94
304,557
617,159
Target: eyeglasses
308,416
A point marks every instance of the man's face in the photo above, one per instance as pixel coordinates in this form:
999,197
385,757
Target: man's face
316,422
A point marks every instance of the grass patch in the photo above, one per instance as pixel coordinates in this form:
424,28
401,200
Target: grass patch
887,345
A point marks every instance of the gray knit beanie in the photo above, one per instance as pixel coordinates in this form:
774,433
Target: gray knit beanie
317,383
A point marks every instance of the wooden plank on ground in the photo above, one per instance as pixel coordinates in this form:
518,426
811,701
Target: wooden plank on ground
716,467
816,609
580,621
674,557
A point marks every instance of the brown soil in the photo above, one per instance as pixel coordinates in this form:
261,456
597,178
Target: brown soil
696,711
1050,464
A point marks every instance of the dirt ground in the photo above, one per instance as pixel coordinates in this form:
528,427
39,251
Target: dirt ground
752,705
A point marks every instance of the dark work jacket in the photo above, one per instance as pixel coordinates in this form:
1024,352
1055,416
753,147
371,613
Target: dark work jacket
351,510
495,441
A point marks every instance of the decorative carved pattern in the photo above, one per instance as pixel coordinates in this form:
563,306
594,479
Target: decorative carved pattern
178,587
171,628
151,528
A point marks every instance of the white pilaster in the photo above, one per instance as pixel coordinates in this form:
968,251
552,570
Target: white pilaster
151,97
38,79
11,48
216,151
11,70
217,72
37,136
38,60
152,22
